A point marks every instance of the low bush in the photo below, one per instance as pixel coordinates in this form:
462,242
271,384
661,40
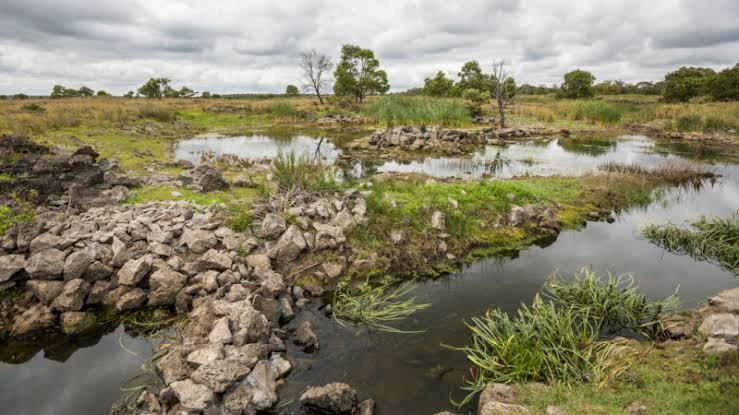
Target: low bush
299,173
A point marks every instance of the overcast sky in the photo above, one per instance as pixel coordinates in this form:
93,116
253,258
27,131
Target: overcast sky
232,46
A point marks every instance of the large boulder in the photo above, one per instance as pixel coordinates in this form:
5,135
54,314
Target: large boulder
134,270
328,236
75,322
261,383
720,325
334,398
198,240
46,265
306,337
76,264
220,374
192,396
203,178
45,291
164,285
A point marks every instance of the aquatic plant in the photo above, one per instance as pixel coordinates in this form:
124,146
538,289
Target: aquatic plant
710,239
377,306
613,301
560,340
674,172
299,173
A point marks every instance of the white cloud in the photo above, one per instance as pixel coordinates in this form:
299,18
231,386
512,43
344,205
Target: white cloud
234,46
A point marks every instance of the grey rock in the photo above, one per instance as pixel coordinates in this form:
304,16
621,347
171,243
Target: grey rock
45,241
45,291
720,325
73,295
161,249
716,345
438,221
332,269
9,265
725,302
343,219
258,261
553,410
237,292
207,354
192,396
271,308
134,270
262,385
220,333
306,337
198,241
366,407
120,253
98,292
237,400
220,374
273,225
131,300
37,317
290,245
75,322
279,366
97,271
76,264
328,236
517,216
334,398
214,260
172,367
164,285
46,265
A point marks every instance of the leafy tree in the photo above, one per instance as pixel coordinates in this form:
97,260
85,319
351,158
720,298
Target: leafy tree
724,86
205,94
471,76
685,83
292,91
129,94
577,84
475,99
58,91
438,86
316,68
154,87
186,92
20,96
85,92
170,92
358,74
102,93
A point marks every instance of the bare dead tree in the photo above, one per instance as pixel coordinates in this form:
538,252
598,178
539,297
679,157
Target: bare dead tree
316,69
500,86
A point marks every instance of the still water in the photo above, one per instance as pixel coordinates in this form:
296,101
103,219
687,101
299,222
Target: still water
414,373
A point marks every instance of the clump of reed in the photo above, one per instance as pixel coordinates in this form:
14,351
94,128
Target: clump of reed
562,340
674,172
707,239
403,110
377,306
298,173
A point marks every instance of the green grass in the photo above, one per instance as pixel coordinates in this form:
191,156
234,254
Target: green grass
613,300
676,378
298,173
221,197
708,239
401,111
560,341
378,306
20,212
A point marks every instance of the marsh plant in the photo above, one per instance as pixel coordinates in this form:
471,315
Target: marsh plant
299,173
560,338
378,306
708,239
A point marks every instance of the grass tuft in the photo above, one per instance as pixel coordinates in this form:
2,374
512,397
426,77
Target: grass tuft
712,239
399,111
299,173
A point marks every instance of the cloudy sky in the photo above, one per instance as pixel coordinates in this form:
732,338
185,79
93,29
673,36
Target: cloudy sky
232,46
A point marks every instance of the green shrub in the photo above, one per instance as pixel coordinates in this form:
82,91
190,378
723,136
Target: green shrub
405,110
285,110
712,123
157,113
598,112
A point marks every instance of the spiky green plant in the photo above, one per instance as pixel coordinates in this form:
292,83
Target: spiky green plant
708,239
377,306
292,172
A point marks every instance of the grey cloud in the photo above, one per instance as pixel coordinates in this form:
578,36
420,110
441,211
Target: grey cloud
237,46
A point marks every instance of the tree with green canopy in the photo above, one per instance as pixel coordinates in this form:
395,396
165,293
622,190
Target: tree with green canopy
358,74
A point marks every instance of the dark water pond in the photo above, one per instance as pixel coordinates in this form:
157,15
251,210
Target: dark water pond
72,376
414,374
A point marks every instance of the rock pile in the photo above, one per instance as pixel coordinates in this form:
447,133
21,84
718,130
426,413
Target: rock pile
543,217
341,119
720,322
450,140
77,180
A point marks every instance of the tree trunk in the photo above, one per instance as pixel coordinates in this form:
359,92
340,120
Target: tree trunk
318,94
501,111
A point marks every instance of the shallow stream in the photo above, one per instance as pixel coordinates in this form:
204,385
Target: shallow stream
414,373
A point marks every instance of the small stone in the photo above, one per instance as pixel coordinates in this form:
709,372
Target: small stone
720,325
134,270
132,299
716,345
220,374
207,354
290,245
214,260
220,333
38,317
279,366
635,408
73,295
332,269
334,398
45,291
305,337
553,410
76,264
238,399
172,367
198,241
273,225
438,221
262,385
158,248
192,396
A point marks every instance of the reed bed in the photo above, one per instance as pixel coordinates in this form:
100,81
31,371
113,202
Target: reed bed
401,110
707,239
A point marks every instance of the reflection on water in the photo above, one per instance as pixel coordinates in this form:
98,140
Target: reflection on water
415,374
71,376
256,147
